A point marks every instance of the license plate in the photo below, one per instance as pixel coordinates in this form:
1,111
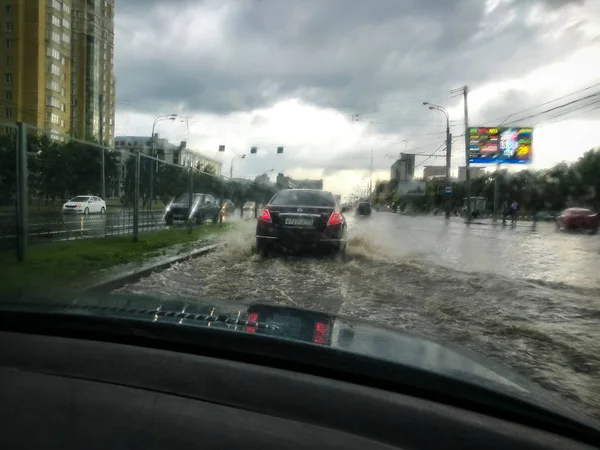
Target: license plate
301,222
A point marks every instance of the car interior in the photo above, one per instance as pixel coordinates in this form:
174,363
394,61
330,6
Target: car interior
82,383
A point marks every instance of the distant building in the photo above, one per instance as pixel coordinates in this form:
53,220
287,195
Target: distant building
404,168
177,154
263,180
433,172
309,184
284,182
475,172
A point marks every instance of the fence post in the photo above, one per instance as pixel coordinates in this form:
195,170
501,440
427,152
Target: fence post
136,198
22,184
222,201
190,199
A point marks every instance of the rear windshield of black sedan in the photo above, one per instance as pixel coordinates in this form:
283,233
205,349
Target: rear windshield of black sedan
303,198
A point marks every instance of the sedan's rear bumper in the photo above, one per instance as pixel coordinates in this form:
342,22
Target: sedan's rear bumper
300,239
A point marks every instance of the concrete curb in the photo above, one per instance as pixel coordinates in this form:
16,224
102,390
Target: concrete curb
136,274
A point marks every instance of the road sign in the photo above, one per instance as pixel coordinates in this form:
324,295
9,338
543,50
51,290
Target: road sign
279,149
448,191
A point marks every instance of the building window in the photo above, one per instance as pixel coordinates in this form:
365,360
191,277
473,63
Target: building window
53,53
53,118
8,112
66,8
8,95
55,37
9,26
67,24
66,38
8,9
54,69
53,85
8,61
54,20
52,101
55,4
9,44
8,77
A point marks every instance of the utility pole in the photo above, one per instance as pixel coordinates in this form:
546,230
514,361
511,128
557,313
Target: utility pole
467,152
448,154
448,166
371,179
101,138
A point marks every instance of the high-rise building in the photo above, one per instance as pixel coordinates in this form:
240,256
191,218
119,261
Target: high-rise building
54,54
431,172
404,168
93,81
35,62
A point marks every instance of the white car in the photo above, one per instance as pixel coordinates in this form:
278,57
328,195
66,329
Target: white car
85,204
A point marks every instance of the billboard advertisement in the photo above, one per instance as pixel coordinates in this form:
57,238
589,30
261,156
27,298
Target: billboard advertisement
411,188
500,145
515,145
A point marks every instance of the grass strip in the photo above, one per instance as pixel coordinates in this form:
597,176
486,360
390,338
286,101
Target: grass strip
63,266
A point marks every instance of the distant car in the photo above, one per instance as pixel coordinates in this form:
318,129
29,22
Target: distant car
302,219
204,207
363,209
572,219
85,204
227,208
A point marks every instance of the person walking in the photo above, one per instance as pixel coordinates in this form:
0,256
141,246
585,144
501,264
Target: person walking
514,210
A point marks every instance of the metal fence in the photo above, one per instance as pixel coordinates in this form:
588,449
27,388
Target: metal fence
56,188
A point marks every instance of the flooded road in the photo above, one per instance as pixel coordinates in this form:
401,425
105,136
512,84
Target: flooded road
526,297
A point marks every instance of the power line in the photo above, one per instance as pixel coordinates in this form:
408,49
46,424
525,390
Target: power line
505,118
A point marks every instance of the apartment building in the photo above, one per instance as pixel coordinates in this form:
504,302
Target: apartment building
55,54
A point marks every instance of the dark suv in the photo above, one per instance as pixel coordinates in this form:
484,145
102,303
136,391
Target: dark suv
204,207
363,209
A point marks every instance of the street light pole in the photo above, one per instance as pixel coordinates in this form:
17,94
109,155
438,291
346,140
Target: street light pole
448,152
232,160
158,119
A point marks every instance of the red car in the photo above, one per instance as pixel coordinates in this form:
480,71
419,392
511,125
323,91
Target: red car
578,219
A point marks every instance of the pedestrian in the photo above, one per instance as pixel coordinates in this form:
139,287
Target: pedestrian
505,212
514,210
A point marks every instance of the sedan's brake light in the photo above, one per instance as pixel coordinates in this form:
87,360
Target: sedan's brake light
252,320
321,329
335,219
265,216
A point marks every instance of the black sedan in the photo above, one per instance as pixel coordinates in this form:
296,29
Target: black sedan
363,209
204,207
301,219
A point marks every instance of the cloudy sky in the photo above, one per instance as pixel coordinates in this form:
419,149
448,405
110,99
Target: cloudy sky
333,80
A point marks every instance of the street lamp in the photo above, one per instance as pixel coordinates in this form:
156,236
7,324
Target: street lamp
158,119
243,156
448,151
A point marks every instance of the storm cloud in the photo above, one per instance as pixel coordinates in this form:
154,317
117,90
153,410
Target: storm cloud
378,59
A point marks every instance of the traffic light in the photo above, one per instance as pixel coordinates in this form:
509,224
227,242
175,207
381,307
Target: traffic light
279,149
221,148
253,149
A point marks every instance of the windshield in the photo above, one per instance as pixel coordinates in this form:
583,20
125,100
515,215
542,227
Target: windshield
79,199
460,136
303,198
185,198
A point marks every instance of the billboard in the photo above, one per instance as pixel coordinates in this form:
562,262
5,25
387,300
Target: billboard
501,145
411,188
